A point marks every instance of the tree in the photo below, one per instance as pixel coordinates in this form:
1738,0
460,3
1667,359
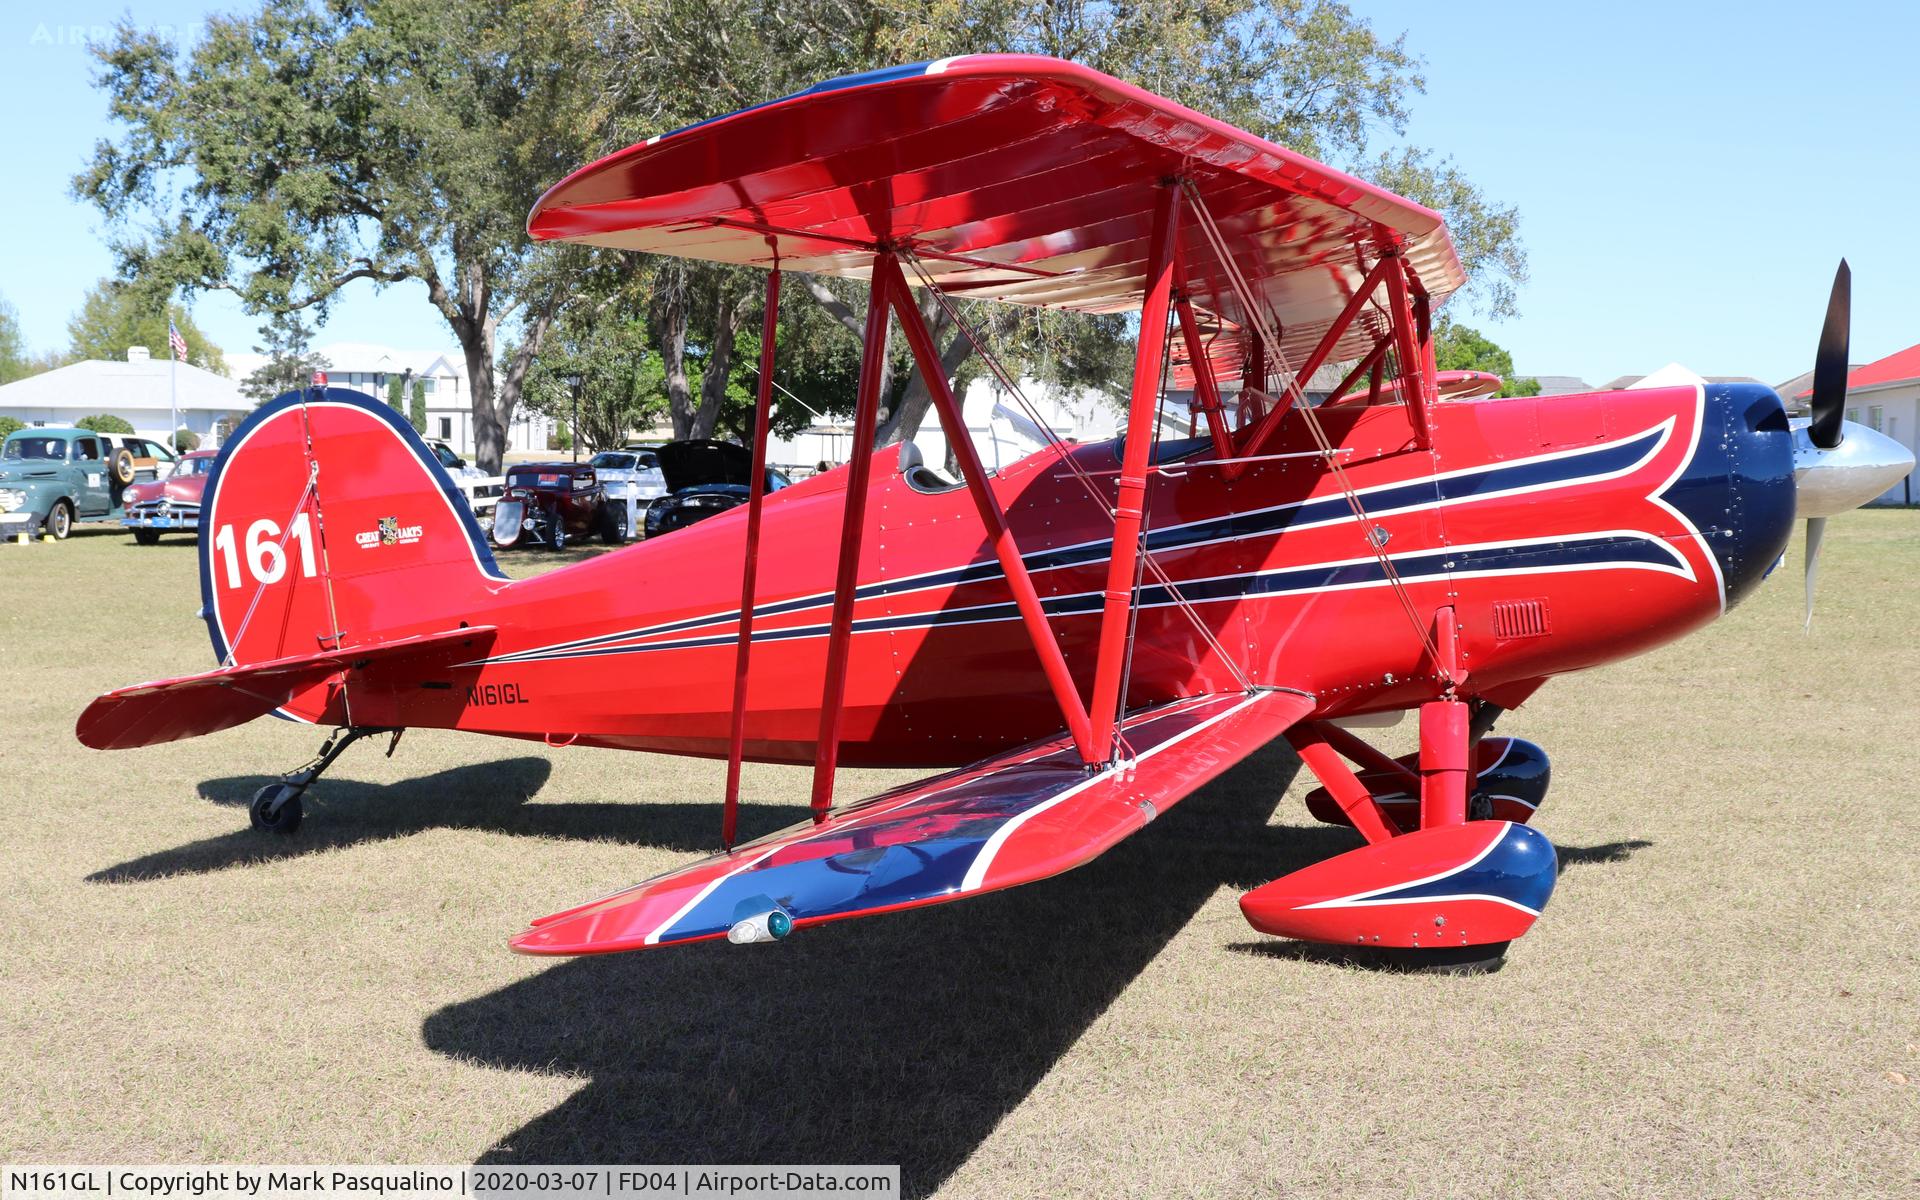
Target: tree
303,147
1458,348
1306,73
289,366
104,423
417,406
14,363
622,384
116,315
10,426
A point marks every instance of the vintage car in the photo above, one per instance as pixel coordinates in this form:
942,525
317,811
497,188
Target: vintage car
632,480
171,504
54,477
548,503
151,460
703,478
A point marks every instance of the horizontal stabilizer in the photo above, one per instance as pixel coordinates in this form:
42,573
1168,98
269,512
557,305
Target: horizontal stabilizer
167,710
1020,816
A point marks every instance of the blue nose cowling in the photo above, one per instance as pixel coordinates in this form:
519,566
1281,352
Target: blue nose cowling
1738,488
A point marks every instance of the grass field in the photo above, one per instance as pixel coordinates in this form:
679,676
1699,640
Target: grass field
1723,999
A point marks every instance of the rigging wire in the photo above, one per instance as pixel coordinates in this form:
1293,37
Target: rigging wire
1066,457
1276,356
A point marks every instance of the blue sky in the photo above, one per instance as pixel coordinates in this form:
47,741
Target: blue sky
1687,175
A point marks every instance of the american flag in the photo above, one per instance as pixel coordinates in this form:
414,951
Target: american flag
178,343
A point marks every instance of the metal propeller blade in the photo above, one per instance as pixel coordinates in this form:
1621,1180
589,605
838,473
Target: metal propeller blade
1816,529
1830,363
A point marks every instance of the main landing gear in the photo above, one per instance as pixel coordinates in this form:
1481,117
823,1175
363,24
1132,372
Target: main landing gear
277,808
1451,872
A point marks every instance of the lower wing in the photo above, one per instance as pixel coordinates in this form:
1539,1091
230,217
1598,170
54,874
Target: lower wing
1020,816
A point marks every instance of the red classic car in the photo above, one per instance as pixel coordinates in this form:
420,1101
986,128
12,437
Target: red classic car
171,504
547,503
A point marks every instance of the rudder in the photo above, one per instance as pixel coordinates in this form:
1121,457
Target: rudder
326,517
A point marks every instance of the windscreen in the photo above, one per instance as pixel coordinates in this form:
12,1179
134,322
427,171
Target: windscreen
37,447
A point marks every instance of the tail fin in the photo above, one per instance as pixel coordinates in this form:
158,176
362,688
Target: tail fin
327,522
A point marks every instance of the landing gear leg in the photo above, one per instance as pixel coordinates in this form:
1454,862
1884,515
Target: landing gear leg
1446,894
277,808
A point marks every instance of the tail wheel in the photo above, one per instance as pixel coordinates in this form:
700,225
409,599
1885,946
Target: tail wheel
285,818
121,465
60,520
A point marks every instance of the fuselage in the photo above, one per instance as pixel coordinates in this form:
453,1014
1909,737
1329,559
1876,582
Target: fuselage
1563,532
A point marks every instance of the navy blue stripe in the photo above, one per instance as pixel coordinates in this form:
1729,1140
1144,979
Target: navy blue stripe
1601,460
958,821
1572,554
859,79
1521,869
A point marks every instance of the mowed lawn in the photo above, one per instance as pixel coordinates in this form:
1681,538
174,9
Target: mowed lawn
1722,1000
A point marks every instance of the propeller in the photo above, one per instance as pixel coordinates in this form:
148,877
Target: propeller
1816,529
1829,402
1830,363
1837,465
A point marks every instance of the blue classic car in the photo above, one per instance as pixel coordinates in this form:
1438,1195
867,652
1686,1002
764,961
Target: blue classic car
54,477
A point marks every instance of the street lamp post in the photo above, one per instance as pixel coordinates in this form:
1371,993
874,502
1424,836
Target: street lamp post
573,386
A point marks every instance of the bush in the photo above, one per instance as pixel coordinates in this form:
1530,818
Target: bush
10,425
185,441
104,423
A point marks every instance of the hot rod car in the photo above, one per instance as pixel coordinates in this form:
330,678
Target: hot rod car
548,503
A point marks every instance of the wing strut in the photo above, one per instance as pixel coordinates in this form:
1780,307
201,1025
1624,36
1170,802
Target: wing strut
756,496
866,414
1019,582
1130,503
1205,386
1269,424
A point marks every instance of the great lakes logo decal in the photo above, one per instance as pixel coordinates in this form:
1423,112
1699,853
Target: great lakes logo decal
390,533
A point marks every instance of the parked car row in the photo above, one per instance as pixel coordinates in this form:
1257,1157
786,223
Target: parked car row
620,494
51,478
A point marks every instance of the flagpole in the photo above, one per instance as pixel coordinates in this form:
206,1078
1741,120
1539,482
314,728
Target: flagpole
173,382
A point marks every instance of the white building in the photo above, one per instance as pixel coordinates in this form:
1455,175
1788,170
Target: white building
373,369
1001,429
142,391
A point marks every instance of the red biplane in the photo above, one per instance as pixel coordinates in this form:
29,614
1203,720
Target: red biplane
1097,629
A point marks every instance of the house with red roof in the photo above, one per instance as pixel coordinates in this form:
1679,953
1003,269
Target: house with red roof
1885,395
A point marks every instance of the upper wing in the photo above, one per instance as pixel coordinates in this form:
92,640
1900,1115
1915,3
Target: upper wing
1015,818
1014,177
146,714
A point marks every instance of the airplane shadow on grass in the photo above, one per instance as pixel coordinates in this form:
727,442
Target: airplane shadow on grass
490,796
898,1039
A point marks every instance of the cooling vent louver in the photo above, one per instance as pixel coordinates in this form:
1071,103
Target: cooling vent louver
1520,619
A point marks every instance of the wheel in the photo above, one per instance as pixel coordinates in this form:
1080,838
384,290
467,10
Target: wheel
60,521
147,537
287,819
610,526
559,539
121,465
